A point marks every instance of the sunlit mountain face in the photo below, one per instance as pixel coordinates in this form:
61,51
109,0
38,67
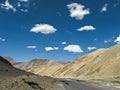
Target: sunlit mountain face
57,30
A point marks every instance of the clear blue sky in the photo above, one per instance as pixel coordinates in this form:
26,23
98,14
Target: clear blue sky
57,29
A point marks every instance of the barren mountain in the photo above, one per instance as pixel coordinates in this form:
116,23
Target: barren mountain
12,61
15,79
102,63
46,69
37,63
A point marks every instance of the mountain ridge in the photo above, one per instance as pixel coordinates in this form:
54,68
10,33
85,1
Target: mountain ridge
98,64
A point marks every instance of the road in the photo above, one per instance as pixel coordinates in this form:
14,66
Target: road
77,85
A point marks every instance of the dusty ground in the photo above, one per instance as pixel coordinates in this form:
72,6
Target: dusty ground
31,82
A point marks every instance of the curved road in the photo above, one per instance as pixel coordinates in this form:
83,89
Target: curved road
77,85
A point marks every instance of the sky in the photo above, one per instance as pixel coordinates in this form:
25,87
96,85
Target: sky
61,30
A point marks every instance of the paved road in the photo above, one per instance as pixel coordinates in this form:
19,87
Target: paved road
77,85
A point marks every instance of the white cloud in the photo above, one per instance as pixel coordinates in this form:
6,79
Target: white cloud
77,11
105,41
117,40
86,28
8,6
21,5
63,43
2,39
104,8
18,4
56,48
108,41
51,48
48,48
23,0
43,28
91,48
73,48
24,10
32,47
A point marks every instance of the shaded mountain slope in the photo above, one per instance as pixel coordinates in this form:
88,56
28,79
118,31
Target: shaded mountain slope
15,79
12,61
7,70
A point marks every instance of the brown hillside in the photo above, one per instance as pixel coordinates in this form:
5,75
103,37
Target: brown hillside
103,63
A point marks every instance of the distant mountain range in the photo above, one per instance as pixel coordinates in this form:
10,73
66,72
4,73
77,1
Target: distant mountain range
100,64
35,63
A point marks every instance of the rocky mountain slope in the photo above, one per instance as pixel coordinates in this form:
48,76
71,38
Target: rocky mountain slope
47,69
12,61
15,79
102,63
99,64
37,66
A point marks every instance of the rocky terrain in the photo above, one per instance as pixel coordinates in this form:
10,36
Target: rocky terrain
15,79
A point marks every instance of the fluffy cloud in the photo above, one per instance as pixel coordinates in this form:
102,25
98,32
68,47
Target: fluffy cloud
77,11
117,40
23,0
21,5
105,41
2,39
86,28
8,6
91,48
48,48
56,48
43,28
73,48
63,43
108,41
51,48
104,8
32,47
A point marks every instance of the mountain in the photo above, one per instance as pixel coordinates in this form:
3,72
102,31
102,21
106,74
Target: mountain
12,61
14,79
34,63
46,69
43,66
100,64
7,70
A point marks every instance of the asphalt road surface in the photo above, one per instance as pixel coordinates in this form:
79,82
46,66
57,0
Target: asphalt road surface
77,85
